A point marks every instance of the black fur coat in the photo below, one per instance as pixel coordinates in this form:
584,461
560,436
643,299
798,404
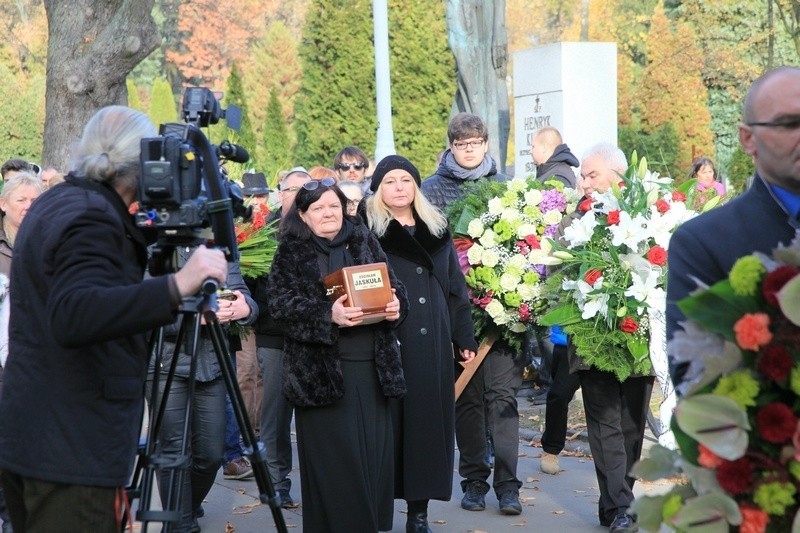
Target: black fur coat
312,372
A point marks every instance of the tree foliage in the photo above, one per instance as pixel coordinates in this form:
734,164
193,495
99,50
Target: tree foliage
22,102
672,88
163,108
740,169
423,76
277,148
234,95
660,147
336,103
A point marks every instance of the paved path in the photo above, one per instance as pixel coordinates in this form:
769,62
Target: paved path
563,503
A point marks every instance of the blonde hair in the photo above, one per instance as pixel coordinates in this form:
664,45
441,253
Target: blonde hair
21,179
379,215
108,150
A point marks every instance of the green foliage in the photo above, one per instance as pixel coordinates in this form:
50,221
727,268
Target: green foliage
235,96
22,108
277,147
740,169
660,148
423,79
133,96
336,103
726,112
162,103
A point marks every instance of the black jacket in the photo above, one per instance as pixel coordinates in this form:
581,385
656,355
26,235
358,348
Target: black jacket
312,373
443,187
559,167
73,392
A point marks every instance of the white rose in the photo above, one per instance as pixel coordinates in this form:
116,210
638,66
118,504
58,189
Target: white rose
518,262
489,239
502,318
494,308
527,291
517,185
509,281
474,254
537,257
526,229
489,258
475,228
495,206
510,214
551,217
533,197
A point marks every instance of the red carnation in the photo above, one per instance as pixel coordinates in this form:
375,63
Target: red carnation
533,241
754,520
629,325
736,477
776,422
774,282
657,255
240,237
585,205
613,217
678,196
524,312
592,275
523,247
662,205
775,362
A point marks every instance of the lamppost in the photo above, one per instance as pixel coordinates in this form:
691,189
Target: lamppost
384,144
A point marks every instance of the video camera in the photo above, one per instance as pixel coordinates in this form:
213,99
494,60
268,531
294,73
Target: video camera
182,190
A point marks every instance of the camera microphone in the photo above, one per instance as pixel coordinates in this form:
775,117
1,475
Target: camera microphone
233,152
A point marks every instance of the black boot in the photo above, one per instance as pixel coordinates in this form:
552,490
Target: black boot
417,521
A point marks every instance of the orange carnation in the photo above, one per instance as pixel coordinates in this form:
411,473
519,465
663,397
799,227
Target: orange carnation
707,458
753,520
752,331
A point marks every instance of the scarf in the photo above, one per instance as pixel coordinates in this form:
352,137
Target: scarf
335,249
468,174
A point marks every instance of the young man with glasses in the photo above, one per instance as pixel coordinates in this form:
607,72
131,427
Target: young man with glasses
489,400
351,163
705,248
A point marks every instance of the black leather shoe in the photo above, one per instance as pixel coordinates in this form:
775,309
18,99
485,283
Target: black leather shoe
509,503
623,523
417,523
474,497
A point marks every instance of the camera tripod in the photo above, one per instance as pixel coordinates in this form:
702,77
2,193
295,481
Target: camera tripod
151,459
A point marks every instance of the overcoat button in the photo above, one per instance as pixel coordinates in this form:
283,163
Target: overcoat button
422,300
419,270
423,331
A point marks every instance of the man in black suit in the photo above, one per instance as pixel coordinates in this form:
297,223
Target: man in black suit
706,247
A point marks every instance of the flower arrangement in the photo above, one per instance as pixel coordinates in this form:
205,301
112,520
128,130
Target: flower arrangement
257,243
610,282
737,425
501,230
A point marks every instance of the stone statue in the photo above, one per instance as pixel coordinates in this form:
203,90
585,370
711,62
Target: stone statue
477,36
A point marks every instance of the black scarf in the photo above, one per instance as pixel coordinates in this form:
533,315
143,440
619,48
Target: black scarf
335,249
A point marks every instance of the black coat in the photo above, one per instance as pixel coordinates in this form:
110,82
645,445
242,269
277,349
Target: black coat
312,372
73,393
439,316
559,167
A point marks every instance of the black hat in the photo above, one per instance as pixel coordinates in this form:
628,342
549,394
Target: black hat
254,183
393,162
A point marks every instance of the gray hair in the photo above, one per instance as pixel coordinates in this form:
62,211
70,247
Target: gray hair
610,154
20,180
108,150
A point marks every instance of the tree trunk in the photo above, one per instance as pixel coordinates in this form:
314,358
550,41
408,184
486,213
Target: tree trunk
93,45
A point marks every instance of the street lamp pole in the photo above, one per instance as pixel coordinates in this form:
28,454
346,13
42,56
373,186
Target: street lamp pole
384,144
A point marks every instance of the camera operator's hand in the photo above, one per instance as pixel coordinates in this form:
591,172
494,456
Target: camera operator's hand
230,310
203,264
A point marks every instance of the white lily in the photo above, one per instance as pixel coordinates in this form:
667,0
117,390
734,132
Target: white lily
630,231
581,230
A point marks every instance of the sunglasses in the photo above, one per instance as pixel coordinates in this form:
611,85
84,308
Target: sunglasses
348,166
313,185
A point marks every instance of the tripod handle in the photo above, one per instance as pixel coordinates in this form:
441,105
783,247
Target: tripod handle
210,286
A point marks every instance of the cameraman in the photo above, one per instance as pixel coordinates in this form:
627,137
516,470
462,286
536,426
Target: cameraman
73,394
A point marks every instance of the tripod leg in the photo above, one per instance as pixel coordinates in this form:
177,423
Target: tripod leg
267,492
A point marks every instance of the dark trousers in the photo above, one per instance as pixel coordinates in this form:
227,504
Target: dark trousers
562,388
496,382
276,419
206,443
615,417
41,507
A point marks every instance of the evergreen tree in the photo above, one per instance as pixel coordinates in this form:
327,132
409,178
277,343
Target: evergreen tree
276,144
133,95
22,108
336,103
740,169
162,103
423,77
659,147
235,96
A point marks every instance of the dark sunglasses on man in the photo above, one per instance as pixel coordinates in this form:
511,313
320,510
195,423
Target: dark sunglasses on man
313,185
348,166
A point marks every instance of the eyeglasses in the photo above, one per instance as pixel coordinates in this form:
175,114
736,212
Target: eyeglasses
458,145
313,185
348,166
291,189
353,203
786,123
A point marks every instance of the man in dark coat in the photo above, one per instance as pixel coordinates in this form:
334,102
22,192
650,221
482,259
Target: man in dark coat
73,394
553,158
706,247
489,400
